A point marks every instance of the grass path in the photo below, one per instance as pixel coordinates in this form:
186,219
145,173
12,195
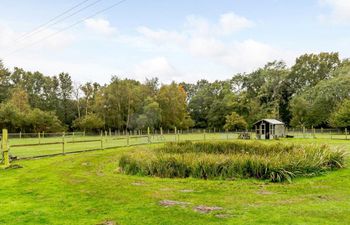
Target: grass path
88,189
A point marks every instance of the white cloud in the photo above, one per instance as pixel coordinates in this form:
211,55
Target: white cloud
161,36
339,11
156,67
100,26
204,40
12,42
230,22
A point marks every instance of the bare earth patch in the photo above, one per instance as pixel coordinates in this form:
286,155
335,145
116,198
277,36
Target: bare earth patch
108,222
223,216
168,203
138,184
264,192
186,190
207,209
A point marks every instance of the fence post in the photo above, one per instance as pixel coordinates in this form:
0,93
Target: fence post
303,132
43,134
314,131
73,136
4,146
226,134
346,133
101,140
63,144
204,134
148,135
127,138
175,133
20,134
39,137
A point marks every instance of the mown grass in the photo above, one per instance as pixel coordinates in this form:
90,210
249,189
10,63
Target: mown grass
87,188
229,160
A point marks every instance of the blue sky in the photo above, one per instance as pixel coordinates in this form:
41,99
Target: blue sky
173,40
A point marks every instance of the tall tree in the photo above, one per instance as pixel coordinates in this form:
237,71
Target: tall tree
65,92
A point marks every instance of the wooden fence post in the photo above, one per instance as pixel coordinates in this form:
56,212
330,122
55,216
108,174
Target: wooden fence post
39,137
102,147
148,135
127,139
346,133
314,131
20,134
63,144
226,134
4,146
204,134
175,133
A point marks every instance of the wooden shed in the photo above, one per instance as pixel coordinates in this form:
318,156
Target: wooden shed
269,129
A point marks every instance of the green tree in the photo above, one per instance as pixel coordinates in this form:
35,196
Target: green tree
65,93
90,122
235,122
10,117
309,69
5,82
44,121
151,115
315,106
172,102
341,117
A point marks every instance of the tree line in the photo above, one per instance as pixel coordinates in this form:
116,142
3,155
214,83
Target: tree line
314,92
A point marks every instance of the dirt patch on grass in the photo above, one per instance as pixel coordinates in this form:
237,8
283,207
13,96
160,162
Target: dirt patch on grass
186,190
168,203
108,222
265,192
207,209
223,216
138,184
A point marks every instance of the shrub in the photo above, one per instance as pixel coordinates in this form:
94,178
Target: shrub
222,160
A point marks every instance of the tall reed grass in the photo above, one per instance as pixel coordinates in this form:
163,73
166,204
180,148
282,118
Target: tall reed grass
240,159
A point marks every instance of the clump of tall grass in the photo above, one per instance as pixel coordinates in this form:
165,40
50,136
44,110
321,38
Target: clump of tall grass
240,159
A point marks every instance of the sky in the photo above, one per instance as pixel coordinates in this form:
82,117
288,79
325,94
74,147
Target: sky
182,40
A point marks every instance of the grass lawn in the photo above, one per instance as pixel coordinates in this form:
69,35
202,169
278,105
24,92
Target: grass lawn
73,144
88,189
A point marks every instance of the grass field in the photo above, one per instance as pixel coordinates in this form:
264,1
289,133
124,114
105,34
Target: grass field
74,143
87,188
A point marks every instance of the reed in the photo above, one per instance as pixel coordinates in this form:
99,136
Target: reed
240,159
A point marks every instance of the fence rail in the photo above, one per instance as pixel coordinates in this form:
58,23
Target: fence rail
34,145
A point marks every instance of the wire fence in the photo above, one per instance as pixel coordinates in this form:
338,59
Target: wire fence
34,145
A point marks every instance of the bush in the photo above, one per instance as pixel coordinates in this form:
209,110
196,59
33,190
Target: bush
223,160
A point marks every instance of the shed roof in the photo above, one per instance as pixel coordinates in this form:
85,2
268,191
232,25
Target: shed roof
271,121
